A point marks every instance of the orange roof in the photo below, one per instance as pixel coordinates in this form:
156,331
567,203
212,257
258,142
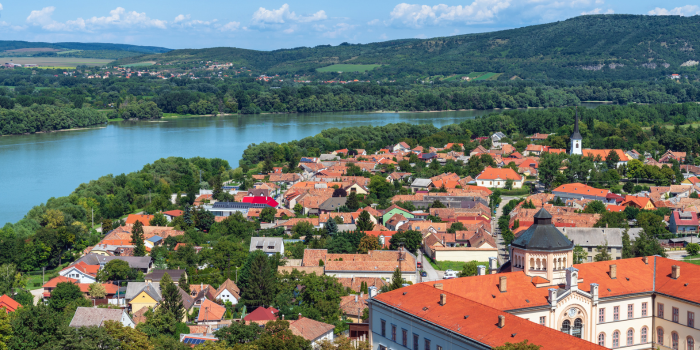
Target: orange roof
8,303
210,311
641,202
309,329
581,189
499,174
145,219
615,208
85,268
603,153
56,280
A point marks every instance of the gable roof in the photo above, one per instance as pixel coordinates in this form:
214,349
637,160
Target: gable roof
499,174
88,316
133,289
145,219
157,275
581,189
8,303
210,311
309,329
52,283
231,287
262,314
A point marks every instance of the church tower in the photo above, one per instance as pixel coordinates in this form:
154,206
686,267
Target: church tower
576,139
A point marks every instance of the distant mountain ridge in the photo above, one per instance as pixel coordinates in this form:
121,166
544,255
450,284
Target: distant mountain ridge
622,46
14,45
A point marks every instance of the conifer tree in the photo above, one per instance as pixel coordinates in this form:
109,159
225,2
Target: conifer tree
137,239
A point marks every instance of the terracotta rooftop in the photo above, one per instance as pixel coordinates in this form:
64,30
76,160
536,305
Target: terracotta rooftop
309,329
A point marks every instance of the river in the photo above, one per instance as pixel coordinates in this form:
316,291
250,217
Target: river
34,168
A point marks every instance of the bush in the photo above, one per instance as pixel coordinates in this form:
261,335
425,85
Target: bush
692,248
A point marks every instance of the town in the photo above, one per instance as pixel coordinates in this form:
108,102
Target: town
478,244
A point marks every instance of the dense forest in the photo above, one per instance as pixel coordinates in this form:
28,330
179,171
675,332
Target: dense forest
16,45
584,47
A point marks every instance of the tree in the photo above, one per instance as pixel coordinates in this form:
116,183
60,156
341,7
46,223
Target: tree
469,269
158,220
305,229
457,226
612,219
368,243
267,166
548,168
268,214
647,245
628,187
116,270
692,249
612,159
64,294
603,254
6,331
627,248
352,203
364,222
36,327
183,283
509,184
437,204
97,291
106,226
159,322
339,192
129,338
238,333
580,255
171,298
508,237
595,207
396,280
257,280
410,239
523,345
137,239
298,209
331,227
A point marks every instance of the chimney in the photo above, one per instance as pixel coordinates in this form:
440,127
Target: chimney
481,270
675,272
501,321
646,260
443,299
493,265
613,271
438,286
553,297
282,317
594,293
355,297
502,284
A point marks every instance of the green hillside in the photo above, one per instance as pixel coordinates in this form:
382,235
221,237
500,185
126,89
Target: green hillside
596,46
15,45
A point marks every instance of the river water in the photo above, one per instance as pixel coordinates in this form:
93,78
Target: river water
34,168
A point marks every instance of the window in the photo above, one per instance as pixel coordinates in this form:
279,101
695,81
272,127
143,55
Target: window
590,249
415,341
578,328
601,339
383,328
644,335
690,344
566,327
660,310
616,313
601,315
438,347
644,309
630,311
404,337
393,332
427,344
542,320
691,319
674,314
590,259
674,340
382,347
660,336
616,339
630,337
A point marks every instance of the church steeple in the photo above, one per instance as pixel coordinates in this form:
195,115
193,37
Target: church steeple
576,138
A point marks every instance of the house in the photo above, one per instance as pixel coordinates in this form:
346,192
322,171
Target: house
603,154
269,245
89,316
355,283
81,272
141,263
395,222
210,313
374,264
52,283
312,330
497,178
157,275
638,202
589,238
201,292
383,236
580,191
145,219
677,156
684,222
194,339
394,209
8,303
229,208
357,188
332,204
538,137
396,176
261,315
262,200
421,185
401,146
497,137
472,245
170,215
141,295
353,305
228,292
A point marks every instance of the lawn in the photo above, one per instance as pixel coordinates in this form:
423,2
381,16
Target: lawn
34,277
70,62
696,262
348,68
139,64
473,75
451,265
489,76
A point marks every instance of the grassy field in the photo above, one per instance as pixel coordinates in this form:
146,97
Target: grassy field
140,64
473,75
70,62
489,76
452,265
68,51
348,68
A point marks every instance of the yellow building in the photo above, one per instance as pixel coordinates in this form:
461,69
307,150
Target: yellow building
141,295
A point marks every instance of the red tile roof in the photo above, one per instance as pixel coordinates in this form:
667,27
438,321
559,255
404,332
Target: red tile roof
499,174
56,280
581,189
309,329
692,221
261,200
173,212
262,314
145,219
8,303
210,311
603,153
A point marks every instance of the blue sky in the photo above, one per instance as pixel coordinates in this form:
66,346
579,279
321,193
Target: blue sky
267,25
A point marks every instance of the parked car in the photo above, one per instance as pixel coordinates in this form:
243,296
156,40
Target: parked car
423,274
449,274
420,265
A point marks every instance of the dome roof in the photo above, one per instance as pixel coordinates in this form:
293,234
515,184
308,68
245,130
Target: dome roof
542,235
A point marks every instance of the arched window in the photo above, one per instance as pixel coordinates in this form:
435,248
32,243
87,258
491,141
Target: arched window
578,327
532,263
601,339
566,327
690,343
544,264
660,336
539,263
630,336
616,339
674,340
644,335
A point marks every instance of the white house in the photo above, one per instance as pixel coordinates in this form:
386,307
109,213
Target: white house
81,271
312,330
498,177
228,291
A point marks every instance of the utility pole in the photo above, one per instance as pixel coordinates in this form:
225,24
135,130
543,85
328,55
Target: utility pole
92,210
43,269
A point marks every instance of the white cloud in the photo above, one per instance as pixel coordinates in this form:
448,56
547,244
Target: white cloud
383,37
291,29
230,27
0,7
598,11
181,18
264,16
338,29
687,10
373,22
118,17
479,11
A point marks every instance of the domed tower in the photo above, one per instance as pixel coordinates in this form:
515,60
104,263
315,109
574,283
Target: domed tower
576,139
542,250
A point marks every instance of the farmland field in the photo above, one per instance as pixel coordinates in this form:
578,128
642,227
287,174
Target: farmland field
489,76
56,61
35,49
348,68
140,64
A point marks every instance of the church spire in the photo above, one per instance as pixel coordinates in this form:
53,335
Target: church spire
576,135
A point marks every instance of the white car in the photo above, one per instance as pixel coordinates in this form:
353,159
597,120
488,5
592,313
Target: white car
449,274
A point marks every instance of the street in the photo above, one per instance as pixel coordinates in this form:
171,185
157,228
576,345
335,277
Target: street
432,273
502,249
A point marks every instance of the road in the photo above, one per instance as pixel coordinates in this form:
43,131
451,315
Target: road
502,249
432,274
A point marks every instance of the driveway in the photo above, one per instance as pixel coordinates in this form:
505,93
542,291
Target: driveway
502,249
37,293
432,274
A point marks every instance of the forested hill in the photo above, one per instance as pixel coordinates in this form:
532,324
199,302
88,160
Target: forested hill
626,46
16,45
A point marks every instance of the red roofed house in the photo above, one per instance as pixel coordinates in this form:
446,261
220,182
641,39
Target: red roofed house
145,219
172,214
638,202
261,200
538,137
210,312
580,191
497,177
8,303
52,283
81,272
312,330
383,236
684,222
262,315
